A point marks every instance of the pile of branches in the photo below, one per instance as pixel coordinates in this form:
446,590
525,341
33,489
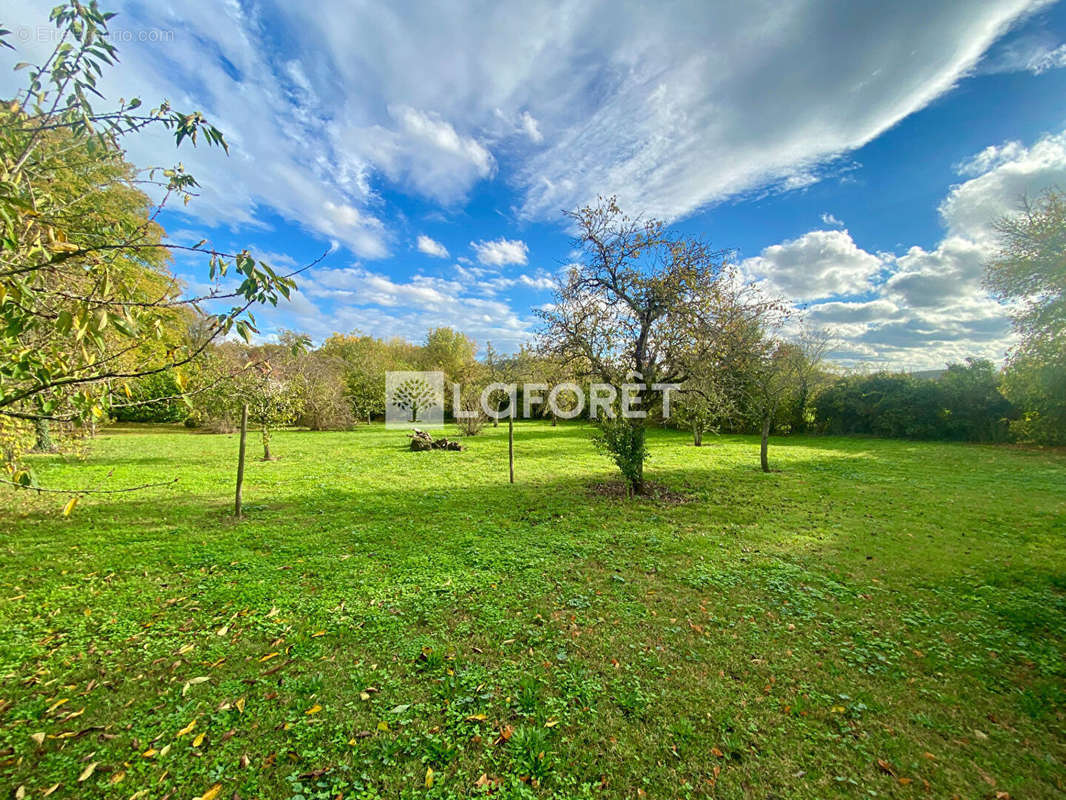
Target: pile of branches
421,441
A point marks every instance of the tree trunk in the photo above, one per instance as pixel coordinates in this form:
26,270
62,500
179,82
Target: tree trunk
266,445
510,445
765,444
638,480
240,462
697,435
555,420
44,442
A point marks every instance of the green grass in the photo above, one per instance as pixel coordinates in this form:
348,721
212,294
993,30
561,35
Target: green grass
382,613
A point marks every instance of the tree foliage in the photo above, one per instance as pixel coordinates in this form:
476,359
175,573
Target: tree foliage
86,302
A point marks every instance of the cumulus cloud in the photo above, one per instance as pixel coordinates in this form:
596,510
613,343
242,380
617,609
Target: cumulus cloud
500,252
817,265
326,103
431,247
1005,175
928,306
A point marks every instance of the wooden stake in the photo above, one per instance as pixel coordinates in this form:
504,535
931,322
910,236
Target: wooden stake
240,461
510,443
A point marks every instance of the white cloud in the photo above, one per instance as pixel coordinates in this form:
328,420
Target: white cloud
829,219
817,265
1035,53
408,94
500,252
431,247
1005,176
928,307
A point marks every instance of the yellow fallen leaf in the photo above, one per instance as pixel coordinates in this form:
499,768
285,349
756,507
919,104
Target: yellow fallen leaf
240,705
316,634
269,656
51,790
211,793
383,726
314,709
38,738
151,751
57,704
551,723
838,709
165,749
118,776
429,777
87,773
199,740
70,506
187,729
364,695
476,718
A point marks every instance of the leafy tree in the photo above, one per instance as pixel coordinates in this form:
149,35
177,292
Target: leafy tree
272,402
1029,271
85,302
779,369
642,302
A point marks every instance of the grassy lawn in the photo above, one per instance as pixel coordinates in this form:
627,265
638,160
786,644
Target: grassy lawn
876,619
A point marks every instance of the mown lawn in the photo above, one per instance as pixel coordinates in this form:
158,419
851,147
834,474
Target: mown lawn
876,619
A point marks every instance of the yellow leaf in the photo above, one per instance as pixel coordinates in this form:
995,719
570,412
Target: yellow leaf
317,634
240,705
838,709
126,389
199,740
268,656
118,776
476,718
187,729
70,506
51,790
551,723
314,709
429,777
383,726
211,793
87,773
364,695
57,704
151,751
38,738
164,751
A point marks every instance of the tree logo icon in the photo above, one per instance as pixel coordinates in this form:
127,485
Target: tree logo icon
414,398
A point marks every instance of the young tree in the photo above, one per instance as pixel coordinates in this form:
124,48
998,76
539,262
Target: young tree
778,369
272,402
81,276
640,303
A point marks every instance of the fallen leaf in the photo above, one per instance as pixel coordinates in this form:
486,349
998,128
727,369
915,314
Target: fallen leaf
886,767
151,751
118,777
314,709
87,773
187,729
211,793
50,790
38,738
240,705
269,656
429,777
199,740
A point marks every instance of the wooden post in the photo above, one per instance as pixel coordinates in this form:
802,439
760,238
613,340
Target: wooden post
510,443
240,461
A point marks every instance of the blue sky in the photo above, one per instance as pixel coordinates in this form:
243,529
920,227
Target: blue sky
854,154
